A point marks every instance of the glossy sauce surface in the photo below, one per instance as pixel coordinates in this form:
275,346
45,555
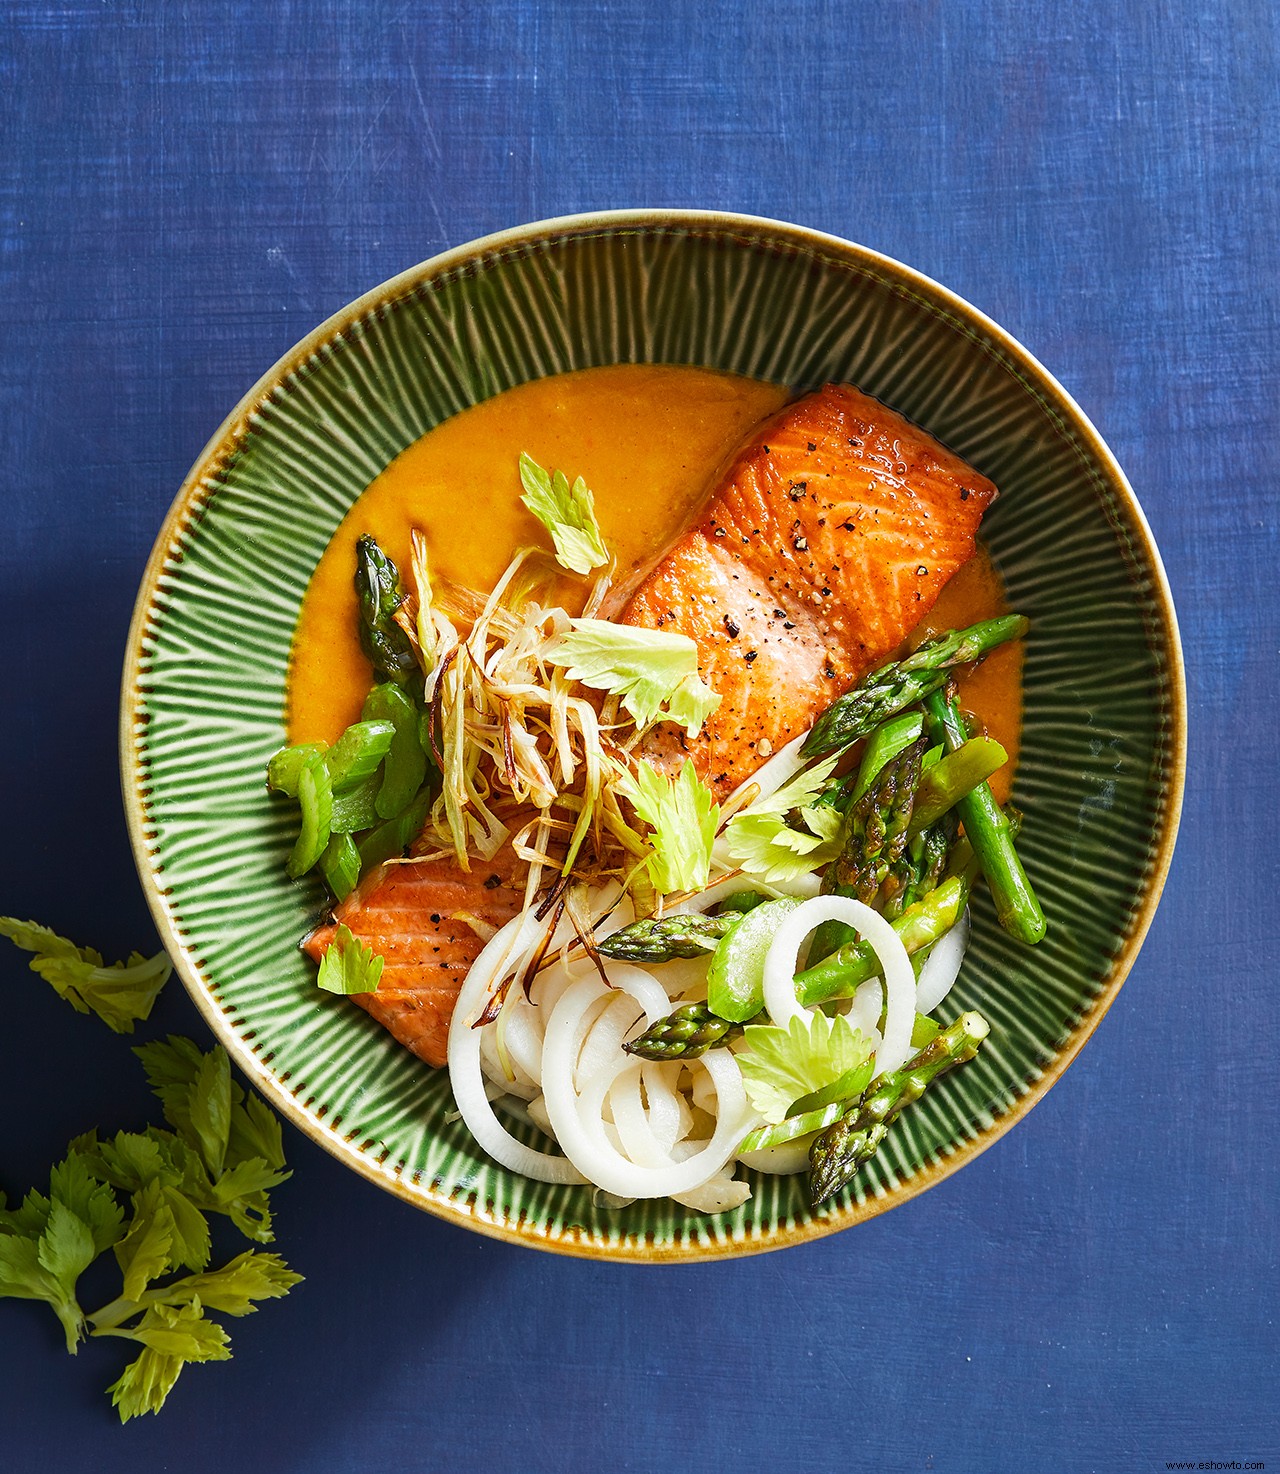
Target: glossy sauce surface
992,690
648,440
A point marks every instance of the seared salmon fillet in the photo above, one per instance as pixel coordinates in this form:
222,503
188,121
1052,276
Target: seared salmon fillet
410,914
827,540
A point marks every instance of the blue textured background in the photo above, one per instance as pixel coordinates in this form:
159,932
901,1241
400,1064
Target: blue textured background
185,189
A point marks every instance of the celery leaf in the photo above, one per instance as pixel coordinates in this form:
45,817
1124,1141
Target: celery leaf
25,1276
567,512
761,842
647,669
223,1155
121,995
211,1109
146,1251
349,965
144,1384
683,817
73,1183
780,1065
171,1338
233,1289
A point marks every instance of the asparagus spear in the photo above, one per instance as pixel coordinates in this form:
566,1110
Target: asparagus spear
878,827
685,1033
988,830
923,863
919,926
381,593
691,1030
951,777
884,744
661,939
877,838
405,765
903,683
836,1155
898,818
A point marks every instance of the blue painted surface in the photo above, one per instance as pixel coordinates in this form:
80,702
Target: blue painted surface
185,189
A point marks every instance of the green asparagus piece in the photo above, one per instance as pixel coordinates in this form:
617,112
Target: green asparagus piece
988,830
377,777
692,1029
661,939
884,744
381,593
900,880
685,1033
877,827
944,784
394,837
837,793
925,860
925,921
893,860
903,683
875,844
919,926
340,865
356,808
836,1155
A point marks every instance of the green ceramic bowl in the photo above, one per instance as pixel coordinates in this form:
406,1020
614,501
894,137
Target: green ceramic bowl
204,683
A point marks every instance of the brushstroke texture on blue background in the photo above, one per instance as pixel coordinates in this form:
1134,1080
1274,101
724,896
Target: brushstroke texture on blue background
185,190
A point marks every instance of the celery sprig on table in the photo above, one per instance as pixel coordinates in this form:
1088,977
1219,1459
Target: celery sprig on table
148,1195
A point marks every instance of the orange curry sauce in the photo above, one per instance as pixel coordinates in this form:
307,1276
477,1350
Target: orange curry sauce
648,440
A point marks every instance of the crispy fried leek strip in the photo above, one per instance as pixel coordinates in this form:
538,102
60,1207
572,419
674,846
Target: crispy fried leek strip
510,731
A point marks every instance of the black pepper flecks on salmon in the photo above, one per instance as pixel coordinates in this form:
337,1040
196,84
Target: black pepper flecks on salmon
827,540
